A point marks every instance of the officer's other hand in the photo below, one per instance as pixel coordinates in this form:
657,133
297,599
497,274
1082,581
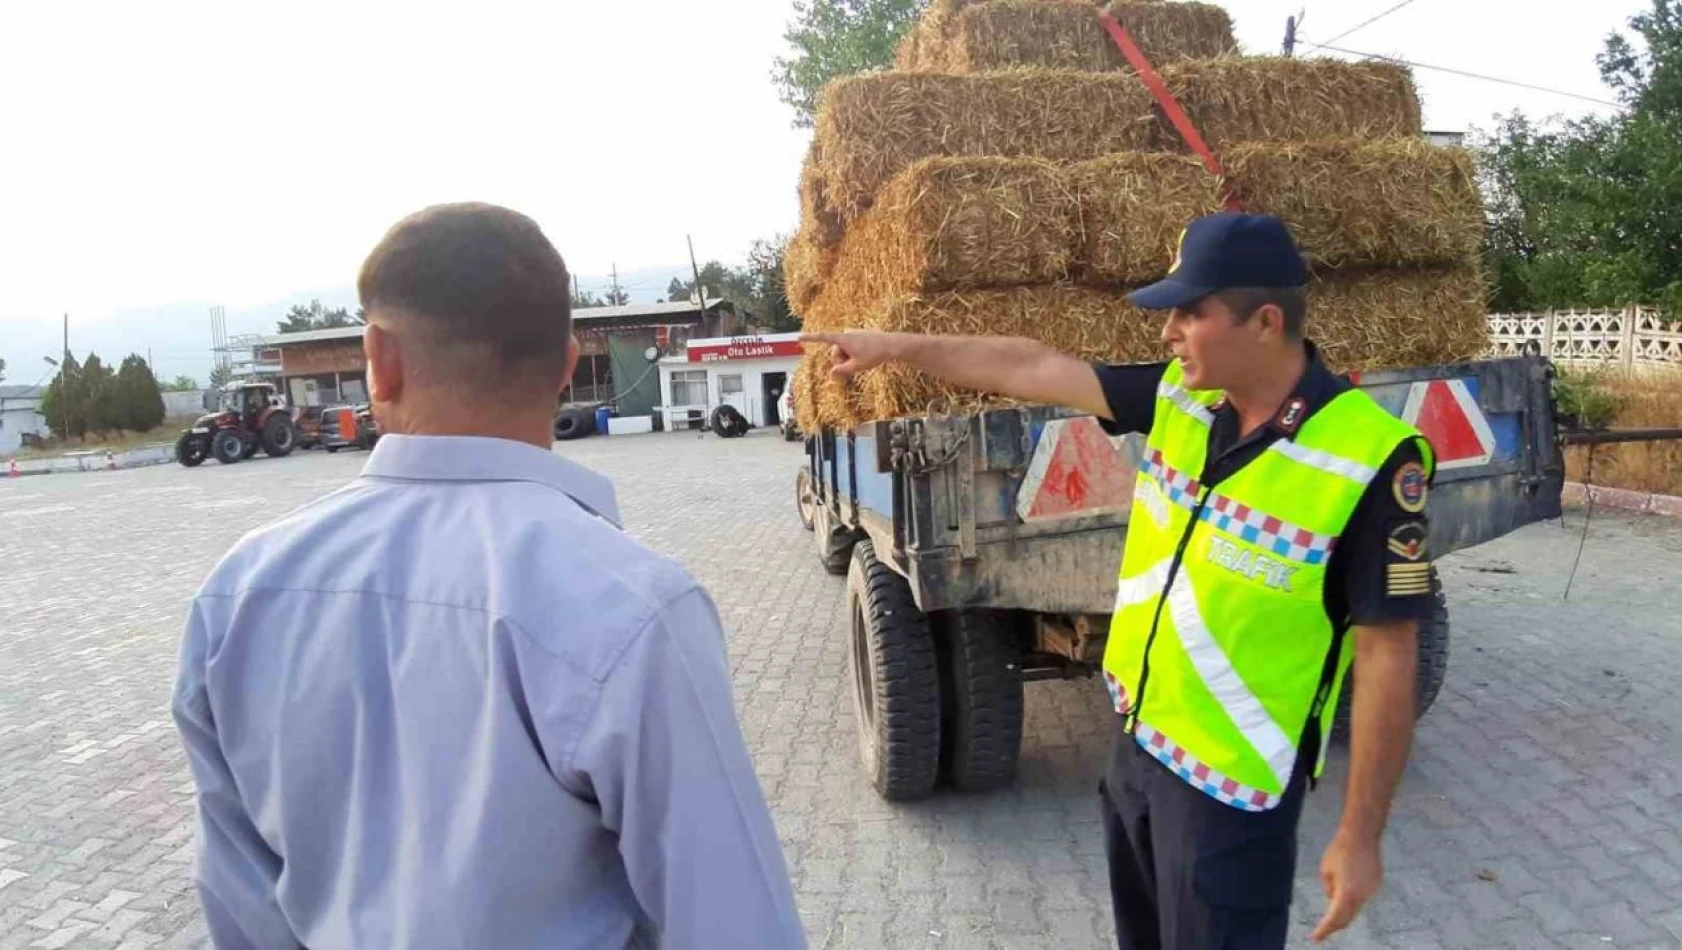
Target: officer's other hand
1351,871
855,350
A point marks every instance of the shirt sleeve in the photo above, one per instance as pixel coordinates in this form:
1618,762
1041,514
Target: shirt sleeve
665,759
237,872
1130,391
1385,551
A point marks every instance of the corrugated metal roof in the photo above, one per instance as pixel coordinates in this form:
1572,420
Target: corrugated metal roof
582,315
23,392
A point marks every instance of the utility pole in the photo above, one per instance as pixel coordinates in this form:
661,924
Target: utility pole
64,382
575,286
700,292
616,301
1291,25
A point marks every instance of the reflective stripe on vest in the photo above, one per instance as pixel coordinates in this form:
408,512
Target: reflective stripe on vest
1220,637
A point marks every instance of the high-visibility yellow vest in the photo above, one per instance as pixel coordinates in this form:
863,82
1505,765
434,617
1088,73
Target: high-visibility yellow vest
1220,649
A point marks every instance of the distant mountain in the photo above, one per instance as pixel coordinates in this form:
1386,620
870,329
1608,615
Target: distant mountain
178,334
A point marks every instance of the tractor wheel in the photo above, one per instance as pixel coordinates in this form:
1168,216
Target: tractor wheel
805,500
574,424
191,451
227,446
250,450
280,436
835,542
1433,665
896,680
981,689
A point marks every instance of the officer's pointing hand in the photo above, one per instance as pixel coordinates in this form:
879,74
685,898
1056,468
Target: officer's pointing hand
1351,872
855,350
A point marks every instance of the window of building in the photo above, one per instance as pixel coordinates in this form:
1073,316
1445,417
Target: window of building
689,387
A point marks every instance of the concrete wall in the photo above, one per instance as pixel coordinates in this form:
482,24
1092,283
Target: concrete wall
184,403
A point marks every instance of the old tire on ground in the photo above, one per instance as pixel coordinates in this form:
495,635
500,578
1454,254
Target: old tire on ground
835,543
981,698
227,447
574,424
896,681
728,423
1433,664
191,451
805,501
280,436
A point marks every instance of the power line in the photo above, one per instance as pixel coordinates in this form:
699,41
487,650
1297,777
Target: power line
1469,75
1364,23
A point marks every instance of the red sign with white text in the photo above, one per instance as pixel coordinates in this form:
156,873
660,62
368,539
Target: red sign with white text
743,348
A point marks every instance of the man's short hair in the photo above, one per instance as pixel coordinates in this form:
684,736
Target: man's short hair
1292,301
482,288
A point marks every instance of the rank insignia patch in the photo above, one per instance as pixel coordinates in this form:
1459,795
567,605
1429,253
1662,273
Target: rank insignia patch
1410,488
1407,542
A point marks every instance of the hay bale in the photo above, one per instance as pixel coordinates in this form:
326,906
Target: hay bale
815,206
1365,203
1278,99
1361,320
807,265
1064,35
958,223
873,127
1134,206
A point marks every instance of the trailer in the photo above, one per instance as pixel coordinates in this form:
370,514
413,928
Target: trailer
981,551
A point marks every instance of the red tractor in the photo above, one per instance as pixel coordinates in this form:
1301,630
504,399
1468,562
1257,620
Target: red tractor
248,417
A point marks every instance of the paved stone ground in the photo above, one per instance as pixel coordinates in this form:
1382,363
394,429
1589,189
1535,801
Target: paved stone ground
1543,807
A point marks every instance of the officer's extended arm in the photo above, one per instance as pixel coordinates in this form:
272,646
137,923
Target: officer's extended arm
1386,657
1009,366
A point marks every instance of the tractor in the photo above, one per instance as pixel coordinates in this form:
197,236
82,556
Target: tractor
248,416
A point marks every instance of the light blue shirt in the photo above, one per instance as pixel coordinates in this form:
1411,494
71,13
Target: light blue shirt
453,705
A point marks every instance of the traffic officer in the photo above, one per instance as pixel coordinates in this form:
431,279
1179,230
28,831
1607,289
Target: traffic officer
1277,532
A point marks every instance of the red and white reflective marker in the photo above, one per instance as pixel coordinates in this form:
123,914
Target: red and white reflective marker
1444,411
1076,471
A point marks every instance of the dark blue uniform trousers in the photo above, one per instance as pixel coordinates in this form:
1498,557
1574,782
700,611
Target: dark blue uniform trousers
1187,872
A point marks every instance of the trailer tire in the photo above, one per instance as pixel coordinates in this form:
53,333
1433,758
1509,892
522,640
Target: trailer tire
805,500
892,663
835,543
1433,665
981,689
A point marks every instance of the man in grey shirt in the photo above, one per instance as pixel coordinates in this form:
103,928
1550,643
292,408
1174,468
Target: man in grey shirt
452,704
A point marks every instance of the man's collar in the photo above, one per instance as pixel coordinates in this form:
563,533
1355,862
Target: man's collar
478,459
1317,387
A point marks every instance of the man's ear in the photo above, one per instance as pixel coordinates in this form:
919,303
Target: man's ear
384,351
1269,320
571,362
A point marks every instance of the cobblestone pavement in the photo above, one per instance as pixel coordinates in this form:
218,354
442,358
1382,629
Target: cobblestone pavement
1542,809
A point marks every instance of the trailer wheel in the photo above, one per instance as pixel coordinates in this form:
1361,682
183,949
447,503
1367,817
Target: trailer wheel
835,543
981,689
1433,665
805,501
896,680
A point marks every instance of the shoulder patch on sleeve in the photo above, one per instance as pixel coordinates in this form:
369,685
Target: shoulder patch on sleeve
1410,487
1407,565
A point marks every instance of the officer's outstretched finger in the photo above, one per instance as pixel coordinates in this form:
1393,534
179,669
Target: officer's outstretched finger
1342,910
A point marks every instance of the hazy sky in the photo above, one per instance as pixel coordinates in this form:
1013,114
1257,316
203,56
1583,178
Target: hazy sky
172,151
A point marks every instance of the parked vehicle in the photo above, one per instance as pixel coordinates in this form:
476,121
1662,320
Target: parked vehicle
248,416
981,550
348,427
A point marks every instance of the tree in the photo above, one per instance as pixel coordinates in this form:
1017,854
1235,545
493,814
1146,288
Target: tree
615,297
584,300
58,403
140,403
302,318
181,384
2,371
99,394
219,376
835,38
1589,212
765,265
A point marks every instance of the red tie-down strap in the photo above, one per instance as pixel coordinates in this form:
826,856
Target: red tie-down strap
1170,106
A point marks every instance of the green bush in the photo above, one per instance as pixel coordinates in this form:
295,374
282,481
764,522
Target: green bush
1582,400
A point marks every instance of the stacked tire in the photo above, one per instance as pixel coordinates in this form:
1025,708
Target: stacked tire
575,423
